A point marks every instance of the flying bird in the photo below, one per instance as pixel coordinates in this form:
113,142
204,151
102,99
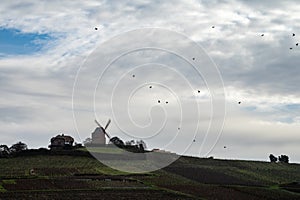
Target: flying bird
158,101
133,75
225,147
294,34
262,35
291,48
193,58
213,27
96,28
297,44
150,86
240,102
194,140
167,102
198,91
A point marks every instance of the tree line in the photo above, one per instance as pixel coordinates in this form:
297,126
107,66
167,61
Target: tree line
281,158
6,151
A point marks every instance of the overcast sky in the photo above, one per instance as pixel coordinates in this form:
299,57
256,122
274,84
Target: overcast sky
44,44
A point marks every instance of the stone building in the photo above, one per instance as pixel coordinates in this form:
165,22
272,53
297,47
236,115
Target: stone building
61,142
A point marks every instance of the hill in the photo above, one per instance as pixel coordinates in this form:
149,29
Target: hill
77,176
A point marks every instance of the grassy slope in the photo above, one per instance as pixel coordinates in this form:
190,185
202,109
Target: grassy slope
192,176
263,173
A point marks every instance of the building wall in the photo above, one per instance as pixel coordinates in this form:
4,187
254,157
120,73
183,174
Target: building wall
98,136
58,142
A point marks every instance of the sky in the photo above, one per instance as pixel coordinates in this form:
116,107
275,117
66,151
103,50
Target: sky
51,59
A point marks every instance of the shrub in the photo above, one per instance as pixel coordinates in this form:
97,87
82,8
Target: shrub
272,158
283,159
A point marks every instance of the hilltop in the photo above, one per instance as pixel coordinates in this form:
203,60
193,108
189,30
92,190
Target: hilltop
77,176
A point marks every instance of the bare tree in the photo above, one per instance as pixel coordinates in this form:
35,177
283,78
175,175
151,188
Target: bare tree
87,141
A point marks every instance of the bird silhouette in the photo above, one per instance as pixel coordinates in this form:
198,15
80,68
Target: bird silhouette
225,147
194,140
158,101
133,75
262,35
96,28
167,102
291,48
198,91
150,86
240,102
213,27
294,34
193,58
297,44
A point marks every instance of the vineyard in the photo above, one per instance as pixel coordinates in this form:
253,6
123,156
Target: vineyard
77,177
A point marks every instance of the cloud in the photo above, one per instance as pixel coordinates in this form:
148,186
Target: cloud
262,72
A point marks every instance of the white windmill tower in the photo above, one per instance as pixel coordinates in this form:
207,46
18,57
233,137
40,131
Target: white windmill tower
98,136
114,140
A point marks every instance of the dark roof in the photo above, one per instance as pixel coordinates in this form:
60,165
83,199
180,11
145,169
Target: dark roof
66,138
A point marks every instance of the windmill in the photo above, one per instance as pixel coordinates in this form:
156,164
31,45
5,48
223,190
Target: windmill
104,129
115,140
